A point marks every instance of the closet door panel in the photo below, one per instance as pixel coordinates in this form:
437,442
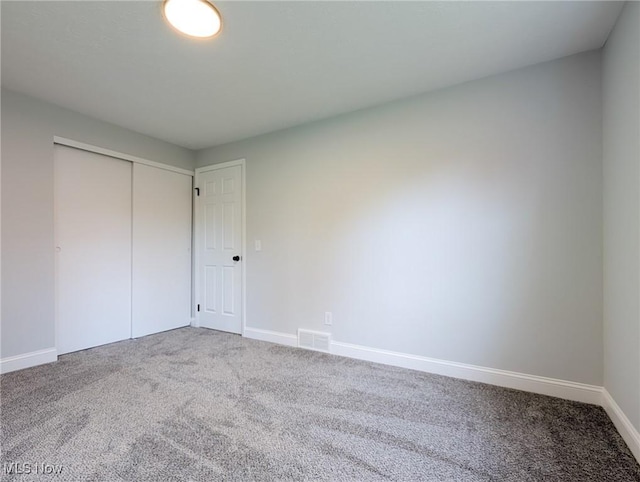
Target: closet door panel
162,202
93,249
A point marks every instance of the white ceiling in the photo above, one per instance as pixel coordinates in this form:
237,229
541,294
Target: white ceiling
275,64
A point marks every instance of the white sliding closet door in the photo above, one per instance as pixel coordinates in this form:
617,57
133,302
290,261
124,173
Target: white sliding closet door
162,202
93,249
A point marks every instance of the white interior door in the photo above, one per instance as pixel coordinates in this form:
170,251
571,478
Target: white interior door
93,245
162,203
219,243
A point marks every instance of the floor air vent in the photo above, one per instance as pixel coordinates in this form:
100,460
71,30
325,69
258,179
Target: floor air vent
314,340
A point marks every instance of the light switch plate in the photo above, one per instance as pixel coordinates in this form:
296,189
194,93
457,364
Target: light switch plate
328,318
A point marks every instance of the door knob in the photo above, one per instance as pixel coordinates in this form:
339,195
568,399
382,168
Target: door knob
236,258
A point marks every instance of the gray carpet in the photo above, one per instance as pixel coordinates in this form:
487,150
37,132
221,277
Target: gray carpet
199,405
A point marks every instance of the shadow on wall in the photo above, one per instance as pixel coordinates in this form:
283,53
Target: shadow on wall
444,252
462,225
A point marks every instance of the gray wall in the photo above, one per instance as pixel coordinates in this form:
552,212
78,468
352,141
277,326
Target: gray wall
464,224
28,127
621,147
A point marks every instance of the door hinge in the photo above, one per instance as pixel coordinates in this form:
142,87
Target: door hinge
198,307
197,189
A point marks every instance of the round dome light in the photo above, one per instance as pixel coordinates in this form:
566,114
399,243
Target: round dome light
196,18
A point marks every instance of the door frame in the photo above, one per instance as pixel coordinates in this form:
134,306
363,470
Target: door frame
243,241
63,141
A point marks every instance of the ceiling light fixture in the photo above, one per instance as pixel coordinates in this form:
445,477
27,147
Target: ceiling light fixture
196,18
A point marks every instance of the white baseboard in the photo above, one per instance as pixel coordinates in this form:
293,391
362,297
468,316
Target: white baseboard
579,392
531,383
28,360
271,336
622,423
194,322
